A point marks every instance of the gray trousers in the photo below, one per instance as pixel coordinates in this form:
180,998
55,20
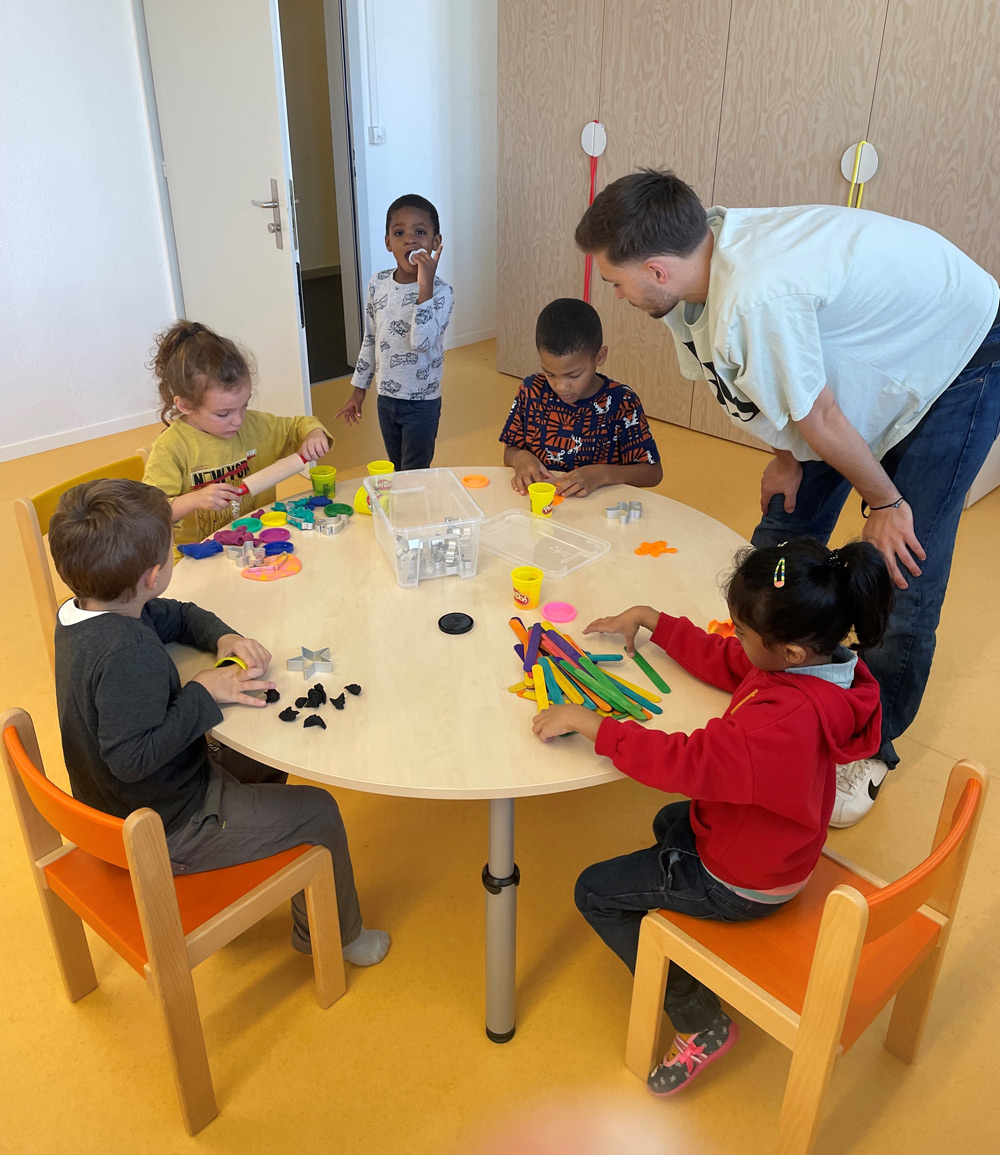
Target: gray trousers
243,818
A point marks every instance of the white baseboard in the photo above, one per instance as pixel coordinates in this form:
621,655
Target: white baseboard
72,436
453,342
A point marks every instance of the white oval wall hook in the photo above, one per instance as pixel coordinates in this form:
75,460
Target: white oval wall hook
858,165
594,138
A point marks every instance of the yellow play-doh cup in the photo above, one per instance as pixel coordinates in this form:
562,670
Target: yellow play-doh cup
324,480
379,469
527,582
541,494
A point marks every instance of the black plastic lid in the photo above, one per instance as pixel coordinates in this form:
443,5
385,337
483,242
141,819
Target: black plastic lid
455,623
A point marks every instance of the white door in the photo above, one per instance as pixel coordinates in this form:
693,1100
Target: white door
216,68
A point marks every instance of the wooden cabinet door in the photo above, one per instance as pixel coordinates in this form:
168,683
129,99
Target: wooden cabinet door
661,92
548,87
936,122
800,78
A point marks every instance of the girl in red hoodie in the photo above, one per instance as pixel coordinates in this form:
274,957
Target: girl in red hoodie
761,778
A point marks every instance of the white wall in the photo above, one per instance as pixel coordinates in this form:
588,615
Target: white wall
83,261
435,90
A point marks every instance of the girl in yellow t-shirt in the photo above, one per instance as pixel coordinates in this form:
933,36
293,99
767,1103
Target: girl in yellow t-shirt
213,441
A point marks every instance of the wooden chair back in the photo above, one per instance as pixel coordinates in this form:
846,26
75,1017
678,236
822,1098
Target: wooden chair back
33,515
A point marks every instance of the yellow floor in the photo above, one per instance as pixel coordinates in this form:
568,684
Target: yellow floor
401,1064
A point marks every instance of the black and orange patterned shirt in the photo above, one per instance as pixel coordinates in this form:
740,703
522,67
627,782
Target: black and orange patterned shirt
609,428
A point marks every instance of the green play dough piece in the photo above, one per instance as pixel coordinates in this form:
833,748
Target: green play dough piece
338,507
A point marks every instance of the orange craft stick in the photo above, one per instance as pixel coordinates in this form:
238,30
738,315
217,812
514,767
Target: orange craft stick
518,627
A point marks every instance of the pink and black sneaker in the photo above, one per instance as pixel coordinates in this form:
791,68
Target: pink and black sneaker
692,1057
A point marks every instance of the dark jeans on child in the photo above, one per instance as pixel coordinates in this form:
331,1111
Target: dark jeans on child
409,430
933,468
614,896
241,821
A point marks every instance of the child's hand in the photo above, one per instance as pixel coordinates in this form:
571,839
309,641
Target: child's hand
627,624
557,720
527,468
231,686
582,481
208,497
426,266
316,445
247,649
351,409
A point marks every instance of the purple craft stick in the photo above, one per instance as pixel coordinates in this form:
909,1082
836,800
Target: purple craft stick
519,650
531,653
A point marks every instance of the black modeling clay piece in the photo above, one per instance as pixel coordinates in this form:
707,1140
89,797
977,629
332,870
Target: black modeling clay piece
272,696
300,702
353,688
338,701
319,692
288,714
314,701
314,720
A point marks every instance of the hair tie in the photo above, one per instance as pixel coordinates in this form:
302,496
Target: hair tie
779,574
835,561
196,328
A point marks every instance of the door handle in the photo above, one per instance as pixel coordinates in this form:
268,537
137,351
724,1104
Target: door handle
274,226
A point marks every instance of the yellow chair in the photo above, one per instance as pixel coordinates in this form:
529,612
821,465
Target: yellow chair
115,876
33,516
816,973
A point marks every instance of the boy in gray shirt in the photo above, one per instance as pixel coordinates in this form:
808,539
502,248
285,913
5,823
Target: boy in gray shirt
133,736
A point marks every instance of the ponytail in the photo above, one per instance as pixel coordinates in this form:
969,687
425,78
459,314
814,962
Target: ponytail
801,592
188,358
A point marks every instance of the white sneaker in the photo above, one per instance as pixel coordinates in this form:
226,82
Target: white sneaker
858,784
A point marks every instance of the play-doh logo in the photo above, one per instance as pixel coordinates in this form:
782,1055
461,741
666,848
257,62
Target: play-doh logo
521,597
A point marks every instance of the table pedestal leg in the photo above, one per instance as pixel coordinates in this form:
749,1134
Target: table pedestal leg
500,877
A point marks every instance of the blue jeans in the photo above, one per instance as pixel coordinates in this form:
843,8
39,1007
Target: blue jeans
933,468
409,430
614,896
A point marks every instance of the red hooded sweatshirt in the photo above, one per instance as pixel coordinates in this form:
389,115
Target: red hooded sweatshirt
762,777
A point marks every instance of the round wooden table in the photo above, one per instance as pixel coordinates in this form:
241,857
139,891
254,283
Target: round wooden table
434,719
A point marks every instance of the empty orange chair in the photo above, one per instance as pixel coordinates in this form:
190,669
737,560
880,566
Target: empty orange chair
115,876
33,515
816,973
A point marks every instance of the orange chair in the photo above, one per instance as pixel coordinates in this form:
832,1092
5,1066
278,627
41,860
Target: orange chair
33,516
815,974
115,876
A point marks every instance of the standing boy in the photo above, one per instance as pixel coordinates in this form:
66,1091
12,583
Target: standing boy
407,312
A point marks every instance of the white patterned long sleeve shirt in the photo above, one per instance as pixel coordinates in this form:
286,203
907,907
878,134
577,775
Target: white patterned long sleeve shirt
403,345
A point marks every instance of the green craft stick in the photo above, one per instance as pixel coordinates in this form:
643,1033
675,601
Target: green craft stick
650,673
610,696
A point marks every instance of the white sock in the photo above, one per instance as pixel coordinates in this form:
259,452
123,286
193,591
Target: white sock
369,948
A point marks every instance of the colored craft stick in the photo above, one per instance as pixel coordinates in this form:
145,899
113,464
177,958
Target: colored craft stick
650,673
516,688
645,703
603,657
519,650
590,695
614,694
531,647
648,694
555,645
567,686
538,676
600,677
593,687
551,685
520,629
529,694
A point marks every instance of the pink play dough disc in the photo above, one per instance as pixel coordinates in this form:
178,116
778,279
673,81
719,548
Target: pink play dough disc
274,534
558,611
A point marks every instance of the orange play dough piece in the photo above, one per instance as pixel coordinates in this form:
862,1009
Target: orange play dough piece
292,566
654,549
724,629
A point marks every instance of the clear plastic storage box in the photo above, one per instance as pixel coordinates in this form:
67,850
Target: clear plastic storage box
426,523
526,539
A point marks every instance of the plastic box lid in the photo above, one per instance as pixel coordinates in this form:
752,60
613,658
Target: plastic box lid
526,539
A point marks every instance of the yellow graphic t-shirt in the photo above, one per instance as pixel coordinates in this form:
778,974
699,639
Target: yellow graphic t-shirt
185,458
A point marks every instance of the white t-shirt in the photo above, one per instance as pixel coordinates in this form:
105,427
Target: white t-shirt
403,344
885,312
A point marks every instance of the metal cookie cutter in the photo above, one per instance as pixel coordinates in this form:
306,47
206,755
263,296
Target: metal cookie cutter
332,525
634,510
